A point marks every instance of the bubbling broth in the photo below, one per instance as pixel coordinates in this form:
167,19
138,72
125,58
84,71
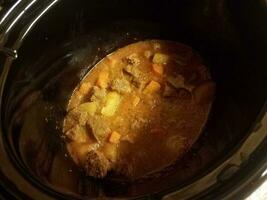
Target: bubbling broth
138,110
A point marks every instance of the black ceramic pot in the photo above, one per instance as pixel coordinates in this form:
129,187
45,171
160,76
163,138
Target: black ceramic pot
46,48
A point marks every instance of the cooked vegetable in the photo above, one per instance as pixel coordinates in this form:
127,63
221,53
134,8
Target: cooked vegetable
152,87
112,102
160,58
85,88
158,69
89,107
103,79
114,137
136,100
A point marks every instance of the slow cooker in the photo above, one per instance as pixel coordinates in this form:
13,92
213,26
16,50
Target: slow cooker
47,46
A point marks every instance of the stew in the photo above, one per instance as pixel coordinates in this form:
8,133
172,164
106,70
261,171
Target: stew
138,110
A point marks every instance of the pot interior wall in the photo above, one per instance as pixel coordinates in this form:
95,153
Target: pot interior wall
74,35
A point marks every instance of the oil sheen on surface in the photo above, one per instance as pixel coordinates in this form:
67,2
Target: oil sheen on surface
138,110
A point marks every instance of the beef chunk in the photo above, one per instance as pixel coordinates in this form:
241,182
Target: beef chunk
96,164
121,85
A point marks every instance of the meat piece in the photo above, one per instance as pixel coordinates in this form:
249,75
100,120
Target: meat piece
133,59
177,81
77,134
73,118
98,93
121,86
134,71
96,164
184,94
169,91
98,129
138,78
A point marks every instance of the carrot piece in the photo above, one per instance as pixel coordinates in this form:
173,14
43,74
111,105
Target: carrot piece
136,100
102,80
153,86
85,88
158,69
114,137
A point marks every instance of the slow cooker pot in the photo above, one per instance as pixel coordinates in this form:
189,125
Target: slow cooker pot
47,46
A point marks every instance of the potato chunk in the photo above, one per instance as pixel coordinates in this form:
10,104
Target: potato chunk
160,58
152,87
89,107
112,102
